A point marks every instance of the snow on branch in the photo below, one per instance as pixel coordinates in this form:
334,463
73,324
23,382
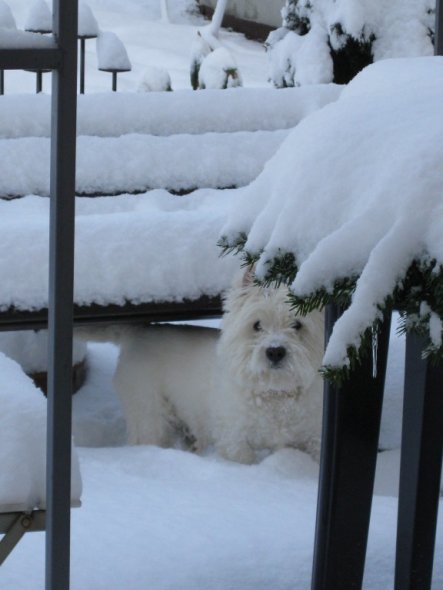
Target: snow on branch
325,41
350,208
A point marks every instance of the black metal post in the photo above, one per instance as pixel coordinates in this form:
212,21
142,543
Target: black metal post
62,209
438,39
114,81
38,81
82,64
351,424
2,82
420,471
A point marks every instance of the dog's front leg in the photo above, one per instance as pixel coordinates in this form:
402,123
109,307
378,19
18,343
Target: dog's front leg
234,447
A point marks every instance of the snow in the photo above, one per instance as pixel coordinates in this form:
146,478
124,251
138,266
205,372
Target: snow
164,518
366,205
154,80
14,39
399,28
120,113
172,240
39,18
221,524
111,53
23,442
87,23
138,162
30,349
219,70
7,19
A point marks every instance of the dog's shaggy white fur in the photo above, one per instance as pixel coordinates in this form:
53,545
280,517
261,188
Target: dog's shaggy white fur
253,387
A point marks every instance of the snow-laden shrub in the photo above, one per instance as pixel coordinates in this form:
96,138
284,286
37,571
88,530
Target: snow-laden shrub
200,49
350,209
219,71
346,35
212,65
154,79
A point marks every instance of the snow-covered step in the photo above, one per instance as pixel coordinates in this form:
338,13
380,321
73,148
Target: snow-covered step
168,113
130,249
135,163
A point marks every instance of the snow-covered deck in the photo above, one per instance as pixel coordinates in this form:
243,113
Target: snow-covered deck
151,255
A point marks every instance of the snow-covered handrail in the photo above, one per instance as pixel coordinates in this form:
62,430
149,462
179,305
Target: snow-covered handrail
357,213
129,249
136,163
169,113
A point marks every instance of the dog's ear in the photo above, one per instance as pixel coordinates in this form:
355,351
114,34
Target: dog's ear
248,277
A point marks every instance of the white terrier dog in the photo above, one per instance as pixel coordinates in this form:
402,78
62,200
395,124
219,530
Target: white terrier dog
253,388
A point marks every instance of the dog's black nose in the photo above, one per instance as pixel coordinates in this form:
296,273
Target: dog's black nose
276,354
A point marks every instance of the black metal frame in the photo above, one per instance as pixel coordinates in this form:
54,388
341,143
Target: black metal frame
62,59
351,422
203,308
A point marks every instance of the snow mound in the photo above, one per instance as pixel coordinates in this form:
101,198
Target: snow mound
23,442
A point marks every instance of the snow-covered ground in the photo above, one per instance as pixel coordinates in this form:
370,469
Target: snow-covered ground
168,519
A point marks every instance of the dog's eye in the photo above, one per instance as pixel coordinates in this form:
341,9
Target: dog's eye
257,327
297,325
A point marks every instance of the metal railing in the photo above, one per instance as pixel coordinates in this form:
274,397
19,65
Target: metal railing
62,59
351,424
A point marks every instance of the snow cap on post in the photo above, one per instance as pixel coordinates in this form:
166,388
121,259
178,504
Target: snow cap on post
7,20
111,53
87,24
39,19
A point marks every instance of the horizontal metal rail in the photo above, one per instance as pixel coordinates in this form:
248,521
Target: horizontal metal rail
30,59
166,311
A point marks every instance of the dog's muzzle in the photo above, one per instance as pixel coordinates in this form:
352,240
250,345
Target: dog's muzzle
275,354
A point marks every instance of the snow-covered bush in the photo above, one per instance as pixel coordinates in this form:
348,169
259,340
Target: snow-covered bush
154,79
200,48
212,65
332,40
219,71
350,209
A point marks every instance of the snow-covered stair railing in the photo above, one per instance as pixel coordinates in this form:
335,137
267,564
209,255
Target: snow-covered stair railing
23,457
146,255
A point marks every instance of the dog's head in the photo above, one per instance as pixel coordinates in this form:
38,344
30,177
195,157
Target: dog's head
266,346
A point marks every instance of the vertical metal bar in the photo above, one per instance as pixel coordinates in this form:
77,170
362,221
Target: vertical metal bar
438,38
351,424
420,470
62,208
114,81
2,82
82,65
38,81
